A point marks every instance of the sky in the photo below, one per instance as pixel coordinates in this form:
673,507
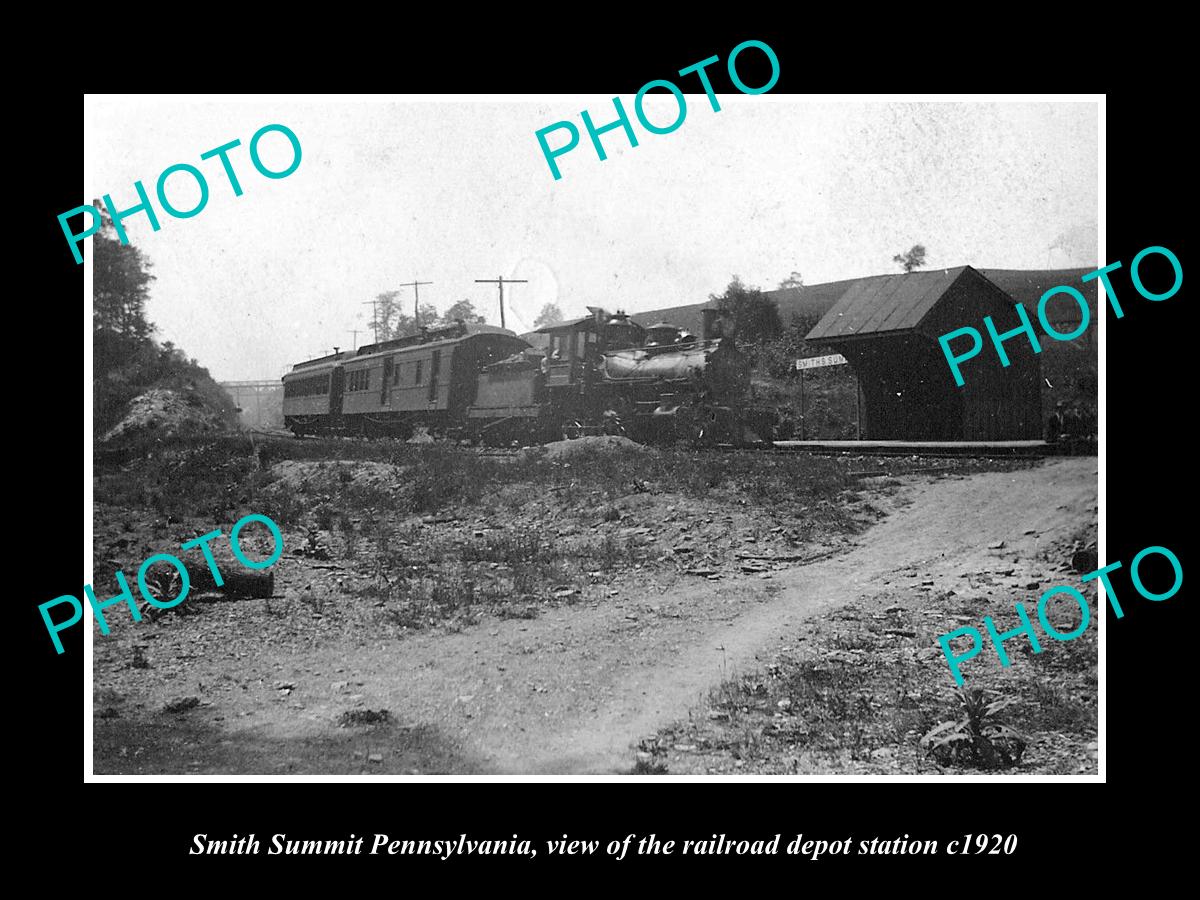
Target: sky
449,191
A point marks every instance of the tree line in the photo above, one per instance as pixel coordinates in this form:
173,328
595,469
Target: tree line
755,316
389,318
773,347
126,359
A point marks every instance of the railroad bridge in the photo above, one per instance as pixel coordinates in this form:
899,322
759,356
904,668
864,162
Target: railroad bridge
260,402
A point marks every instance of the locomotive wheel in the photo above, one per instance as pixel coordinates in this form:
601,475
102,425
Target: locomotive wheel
627,420
683,429
613,425
702,428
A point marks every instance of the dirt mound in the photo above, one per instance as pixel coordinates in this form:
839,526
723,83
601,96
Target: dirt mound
165,413
603,443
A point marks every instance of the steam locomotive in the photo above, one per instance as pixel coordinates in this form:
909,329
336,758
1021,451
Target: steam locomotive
599,374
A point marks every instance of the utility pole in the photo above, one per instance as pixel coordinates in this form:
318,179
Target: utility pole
415,285
857,407
801,404
355,333
374,317
500,281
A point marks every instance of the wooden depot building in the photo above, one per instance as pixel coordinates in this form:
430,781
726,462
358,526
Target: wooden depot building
888,326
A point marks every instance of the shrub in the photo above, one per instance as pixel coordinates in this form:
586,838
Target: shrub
977,737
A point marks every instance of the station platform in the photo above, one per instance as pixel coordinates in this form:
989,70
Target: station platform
928,448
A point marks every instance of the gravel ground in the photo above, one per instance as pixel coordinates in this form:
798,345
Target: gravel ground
554,626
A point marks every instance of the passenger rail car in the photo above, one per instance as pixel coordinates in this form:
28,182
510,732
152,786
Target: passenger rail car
390,387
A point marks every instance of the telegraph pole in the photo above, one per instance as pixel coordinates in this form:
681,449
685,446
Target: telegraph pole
355,332
374,317
416,299
500,281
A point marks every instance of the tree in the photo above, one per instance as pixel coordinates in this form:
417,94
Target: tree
803,323
777,357
464,309
755,316
121,334
126,359
429,319
120,285
403,325
912,259
550,315
794,280
388,321
384,312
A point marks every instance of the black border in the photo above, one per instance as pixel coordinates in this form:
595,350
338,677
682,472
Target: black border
1147,475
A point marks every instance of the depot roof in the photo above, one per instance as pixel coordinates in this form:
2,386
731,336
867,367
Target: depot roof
887,303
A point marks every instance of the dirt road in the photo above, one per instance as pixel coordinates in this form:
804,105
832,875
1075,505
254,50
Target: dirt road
570,691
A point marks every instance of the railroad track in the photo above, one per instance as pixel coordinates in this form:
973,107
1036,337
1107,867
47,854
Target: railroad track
921,449
994,449
1036,450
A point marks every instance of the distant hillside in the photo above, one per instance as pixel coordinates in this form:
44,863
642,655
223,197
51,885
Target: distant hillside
829,409
814,300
